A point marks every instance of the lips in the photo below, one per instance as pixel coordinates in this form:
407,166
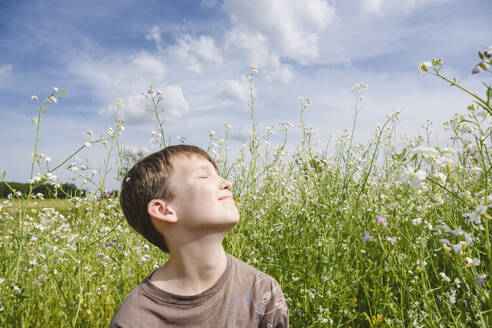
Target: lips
225,197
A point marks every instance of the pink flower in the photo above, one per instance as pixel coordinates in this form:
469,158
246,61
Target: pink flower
392,240
481,278
367,237
382,220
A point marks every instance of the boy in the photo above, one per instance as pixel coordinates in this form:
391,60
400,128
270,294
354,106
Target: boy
178,202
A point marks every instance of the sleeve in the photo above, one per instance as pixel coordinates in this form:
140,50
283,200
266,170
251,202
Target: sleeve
276,313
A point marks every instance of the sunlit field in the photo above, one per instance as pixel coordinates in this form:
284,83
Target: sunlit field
388,233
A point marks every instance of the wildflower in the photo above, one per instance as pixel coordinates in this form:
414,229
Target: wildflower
466,128
424,66
469,238
2,280
72,167
416,221
480,66
52,99
285,126
212,134
377,319
228,126
452,298
146,247
89,133
488,51
392,240
413,177
367,237
34,97
254,70
458,248
472,262
477,214
429,154
382,220
481,278
444,277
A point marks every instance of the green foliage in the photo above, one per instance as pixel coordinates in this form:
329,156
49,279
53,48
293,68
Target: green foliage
67,190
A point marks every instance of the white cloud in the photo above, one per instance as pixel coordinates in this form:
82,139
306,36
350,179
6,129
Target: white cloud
175,103
195,52
253,50
128,78
236,91
402,7
5,70
155,35
149,66
291,28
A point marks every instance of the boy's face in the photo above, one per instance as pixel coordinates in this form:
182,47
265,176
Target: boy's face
203,199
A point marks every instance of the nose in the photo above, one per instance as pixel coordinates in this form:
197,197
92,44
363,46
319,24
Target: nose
226,184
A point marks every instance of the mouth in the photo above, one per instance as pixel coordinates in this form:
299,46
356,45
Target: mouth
226,197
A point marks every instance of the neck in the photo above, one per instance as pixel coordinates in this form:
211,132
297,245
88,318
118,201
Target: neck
193,267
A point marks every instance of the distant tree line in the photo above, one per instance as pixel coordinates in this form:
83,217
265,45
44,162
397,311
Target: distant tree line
48,191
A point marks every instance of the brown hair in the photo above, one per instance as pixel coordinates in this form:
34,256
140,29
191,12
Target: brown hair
149,179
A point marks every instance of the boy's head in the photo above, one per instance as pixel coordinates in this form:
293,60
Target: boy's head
184,180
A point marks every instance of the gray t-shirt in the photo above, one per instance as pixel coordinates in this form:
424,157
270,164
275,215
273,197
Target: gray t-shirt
241,297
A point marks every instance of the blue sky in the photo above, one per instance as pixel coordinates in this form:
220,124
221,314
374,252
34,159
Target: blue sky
198,52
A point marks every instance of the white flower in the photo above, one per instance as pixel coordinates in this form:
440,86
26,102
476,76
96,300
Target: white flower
452,298
409,175
89,133
52,99
2,280
34,97
424,66
444,277
417,221
477,214
212,134
481,113
458,247
472,262
429,154
73,167
55,89
466,128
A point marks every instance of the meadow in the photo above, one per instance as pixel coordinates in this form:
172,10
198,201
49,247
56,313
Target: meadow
388,233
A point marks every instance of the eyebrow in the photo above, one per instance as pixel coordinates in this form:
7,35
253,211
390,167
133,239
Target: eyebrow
204,167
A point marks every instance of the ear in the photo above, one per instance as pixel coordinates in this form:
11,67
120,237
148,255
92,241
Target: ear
161,211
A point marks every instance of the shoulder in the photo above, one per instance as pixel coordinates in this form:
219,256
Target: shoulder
248,270
266,295
127,310
130,311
